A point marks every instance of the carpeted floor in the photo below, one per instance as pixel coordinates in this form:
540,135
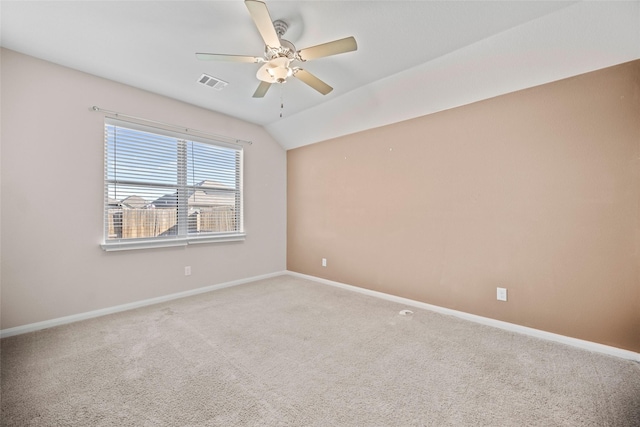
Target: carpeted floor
289,352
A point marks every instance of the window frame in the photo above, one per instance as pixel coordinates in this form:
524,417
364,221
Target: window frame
182,237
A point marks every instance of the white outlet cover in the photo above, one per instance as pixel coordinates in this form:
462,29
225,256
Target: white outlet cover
501,294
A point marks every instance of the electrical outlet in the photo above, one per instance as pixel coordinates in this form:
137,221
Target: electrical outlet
187,270
324,262
501,294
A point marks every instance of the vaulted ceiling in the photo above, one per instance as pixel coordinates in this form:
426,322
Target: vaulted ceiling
413,57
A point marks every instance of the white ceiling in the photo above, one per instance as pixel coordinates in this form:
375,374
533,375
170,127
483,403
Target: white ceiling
413,57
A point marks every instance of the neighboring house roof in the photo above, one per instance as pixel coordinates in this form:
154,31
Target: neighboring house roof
167,201
212,194
204,198
134,202
213,184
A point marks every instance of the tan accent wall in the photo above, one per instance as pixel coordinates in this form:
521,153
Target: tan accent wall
537,191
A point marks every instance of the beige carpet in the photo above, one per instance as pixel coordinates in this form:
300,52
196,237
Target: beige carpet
289,352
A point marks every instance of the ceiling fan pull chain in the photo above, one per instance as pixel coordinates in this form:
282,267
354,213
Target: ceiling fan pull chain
281,99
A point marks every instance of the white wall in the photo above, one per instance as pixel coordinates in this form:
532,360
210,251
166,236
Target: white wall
52,198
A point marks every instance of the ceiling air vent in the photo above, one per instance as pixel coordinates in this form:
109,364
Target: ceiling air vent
212,82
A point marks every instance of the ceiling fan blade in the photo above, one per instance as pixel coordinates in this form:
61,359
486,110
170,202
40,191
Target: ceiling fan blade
262,19
313,81
335,47
229,58
262,90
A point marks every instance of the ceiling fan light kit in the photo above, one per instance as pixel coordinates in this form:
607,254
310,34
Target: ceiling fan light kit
275,71
280,53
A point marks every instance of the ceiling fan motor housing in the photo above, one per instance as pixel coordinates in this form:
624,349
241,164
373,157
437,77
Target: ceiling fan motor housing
286,50
277,69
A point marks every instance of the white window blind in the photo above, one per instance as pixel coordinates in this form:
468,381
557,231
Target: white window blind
164,188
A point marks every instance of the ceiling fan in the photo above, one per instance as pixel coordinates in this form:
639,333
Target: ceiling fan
281,55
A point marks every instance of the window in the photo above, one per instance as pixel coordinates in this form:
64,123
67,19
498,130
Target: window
164,188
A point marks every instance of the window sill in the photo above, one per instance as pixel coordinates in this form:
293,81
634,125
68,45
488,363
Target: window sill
126,245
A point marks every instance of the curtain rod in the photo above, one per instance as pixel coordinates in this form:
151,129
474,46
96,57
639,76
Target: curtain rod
211,135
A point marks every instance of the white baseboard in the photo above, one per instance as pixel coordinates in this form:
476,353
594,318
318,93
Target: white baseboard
575,342
129,306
